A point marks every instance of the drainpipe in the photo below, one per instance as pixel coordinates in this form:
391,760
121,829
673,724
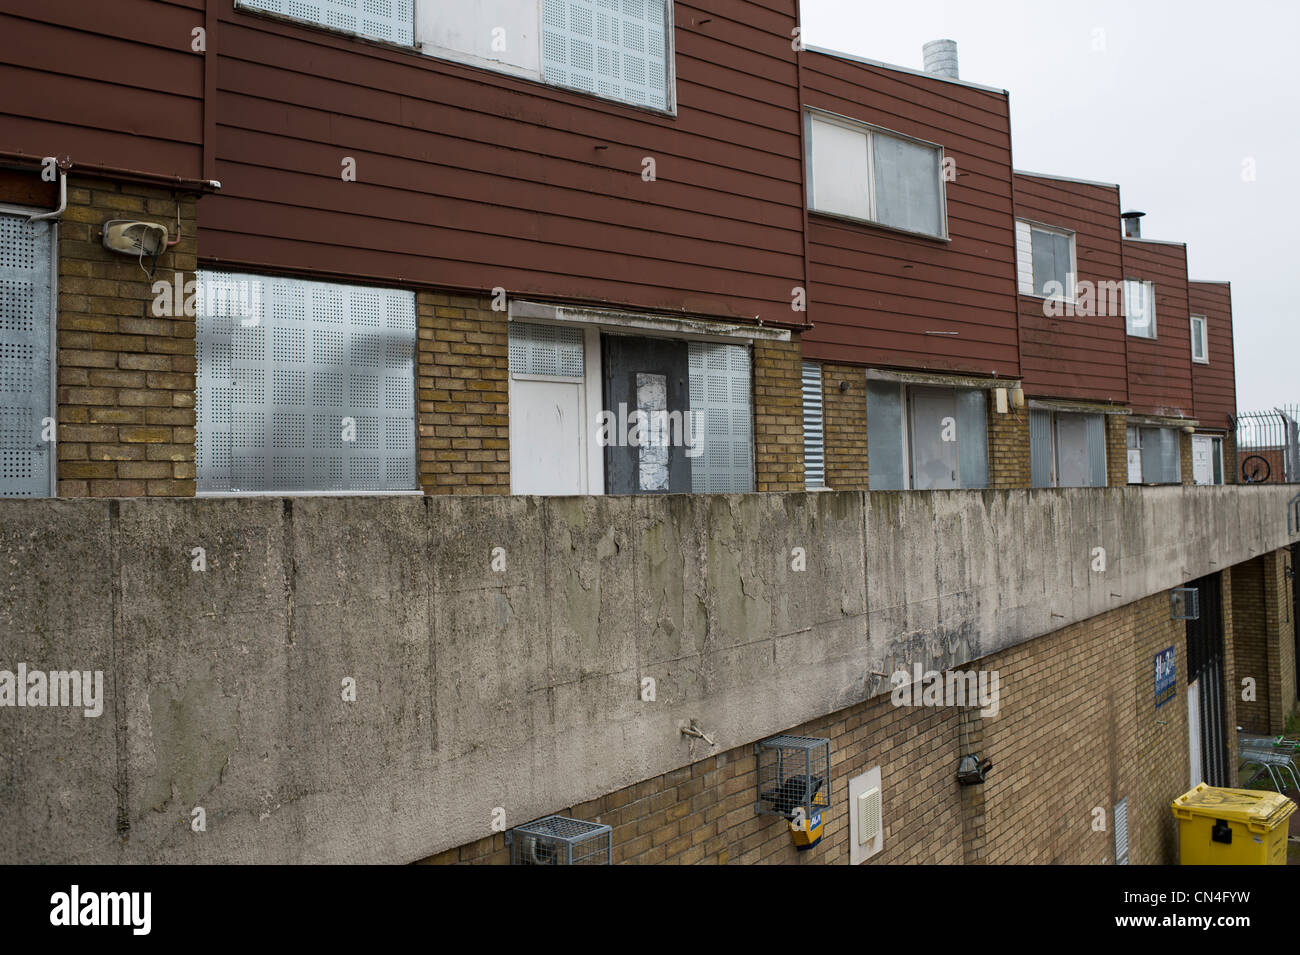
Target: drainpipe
63,203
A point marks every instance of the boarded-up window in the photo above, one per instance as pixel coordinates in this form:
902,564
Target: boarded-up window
814,444
720,397
907,185
391,20
26,267
885,436
1140,308
614,49
304,386
865,173
1053,263
1067,449
946,434
1160,456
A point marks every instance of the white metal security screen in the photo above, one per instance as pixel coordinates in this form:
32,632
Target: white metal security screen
614,48
304,386
814,442
25,273
391,20
722,405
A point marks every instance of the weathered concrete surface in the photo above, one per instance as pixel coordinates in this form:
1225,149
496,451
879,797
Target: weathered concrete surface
517,689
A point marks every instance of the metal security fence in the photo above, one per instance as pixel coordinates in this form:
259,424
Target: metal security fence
1268,445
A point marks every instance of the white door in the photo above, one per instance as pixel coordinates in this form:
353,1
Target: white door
1194,731
551,402
1202,459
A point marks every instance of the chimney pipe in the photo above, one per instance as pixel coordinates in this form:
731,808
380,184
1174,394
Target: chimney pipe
1132,224
941,58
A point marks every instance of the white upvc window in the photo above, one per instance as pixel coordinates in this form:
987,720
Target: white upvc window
1045,259
1140,308
862,172
1200,340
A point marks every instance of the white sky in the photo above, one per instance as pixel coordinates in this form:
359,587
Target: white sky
1178,95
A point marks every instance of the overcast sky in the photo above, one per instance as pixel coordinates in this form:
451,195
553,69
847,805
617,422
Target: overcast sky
1168,98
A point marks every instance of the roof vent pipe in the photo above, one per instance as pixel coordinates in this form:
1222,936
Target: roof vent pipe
941,58
1132,224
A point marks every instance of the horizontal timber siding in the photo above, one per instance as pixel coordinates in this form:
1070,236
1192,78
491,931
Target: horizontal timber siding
1082,356
874,293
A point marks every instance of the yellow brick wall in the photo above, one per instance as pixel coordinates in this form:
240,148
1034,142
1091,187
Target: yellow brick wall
1008,446
845,416
125,365
778,416
1078,730
1116,450
1250,644
462,395
1185,457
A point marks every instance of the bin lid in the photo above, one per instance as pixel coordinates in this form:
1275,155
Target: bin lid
1248,806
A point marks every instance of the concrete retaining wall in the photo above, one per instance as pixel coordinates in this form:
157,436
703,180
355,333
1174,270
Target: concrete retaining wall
517,688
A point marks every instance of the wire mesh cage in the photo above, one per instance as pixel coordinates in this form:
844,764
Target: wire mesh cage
793,773
559,840
1184,604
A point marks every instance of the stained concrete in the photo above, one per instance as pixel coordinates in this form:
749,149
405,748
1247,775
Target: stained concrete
518,688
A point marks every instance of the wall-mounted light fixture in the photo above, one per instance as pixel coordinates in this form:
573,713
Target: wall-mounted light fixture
971,771
1184,604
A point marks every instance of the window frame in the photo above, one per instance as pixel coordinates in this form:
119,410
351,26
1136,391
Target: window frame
1127,325
870,131
1204,338
1071,284
417,49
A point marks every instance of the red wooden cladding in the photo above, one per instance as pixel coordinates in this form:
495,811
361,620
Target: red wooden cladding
1160,369
1214,385
875,293
113,84
468,178
1083,356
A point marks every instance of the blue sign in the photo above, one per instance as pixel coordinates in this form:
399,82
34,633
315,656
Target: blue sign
1166,677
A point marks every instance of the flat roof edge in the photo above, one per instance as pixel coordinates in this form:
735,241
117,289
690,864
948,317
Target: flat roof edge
1130,238
839,55
1048,175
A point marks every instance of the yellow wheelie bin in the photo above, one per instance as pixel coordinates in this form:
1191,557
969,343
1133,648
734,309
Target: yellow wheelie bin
1218,826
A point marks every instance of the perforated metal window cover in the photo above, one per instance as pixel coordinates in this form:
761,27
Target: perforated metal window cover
392,21
26,294
618,49
283,364
722,403
552,351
